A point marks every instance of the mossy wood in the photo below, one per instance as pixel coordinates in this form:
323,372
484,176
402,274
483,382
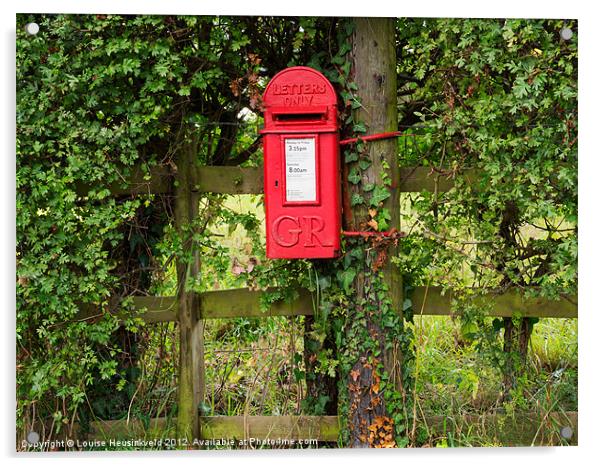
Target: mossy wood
520,430
324,428
427,301
191,364
512,302
249,180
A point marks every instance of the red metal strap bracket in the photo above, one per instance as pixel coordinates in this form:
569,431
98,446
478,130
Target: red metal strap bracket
372,137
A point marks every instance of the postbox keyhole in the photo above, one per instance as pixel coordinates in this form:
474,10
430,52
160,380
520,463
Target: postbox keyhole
276,183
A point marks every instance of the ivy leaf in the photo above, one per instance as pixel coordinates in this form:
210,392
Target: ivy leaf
356,199
346,68
351,156
354,177
359,127
368,187
379,194
365,164
346,277
384,217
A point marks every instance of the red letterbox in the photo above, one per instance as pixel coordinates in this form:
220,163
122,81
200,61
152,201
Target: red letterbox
301,166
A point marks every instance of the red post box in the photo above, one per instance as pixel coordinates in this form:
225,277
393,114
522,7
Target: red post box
301,166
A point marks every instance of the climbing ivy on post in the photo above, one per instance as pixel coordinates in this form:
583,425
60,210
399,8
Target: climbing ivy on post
374,349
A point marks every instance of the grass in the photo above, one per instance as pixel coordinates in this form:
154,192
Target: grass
454,380
251,363
250,366
554,343
452,376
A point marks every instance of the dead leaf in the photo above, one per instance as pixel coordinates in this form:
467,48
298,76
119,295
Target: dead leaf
235,86
254,58
251,265
375,387
237,268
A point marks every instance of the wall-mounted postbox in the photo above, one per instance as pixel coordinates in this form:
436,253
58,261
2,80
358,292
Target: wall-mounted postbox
301,166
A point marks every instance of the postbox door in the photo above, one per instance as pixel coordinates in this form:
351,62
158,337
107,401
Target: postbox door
302,195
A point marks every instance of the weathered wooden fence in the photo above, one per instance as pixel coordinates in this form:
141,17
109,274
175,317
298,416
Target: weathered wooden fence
500,429
192,182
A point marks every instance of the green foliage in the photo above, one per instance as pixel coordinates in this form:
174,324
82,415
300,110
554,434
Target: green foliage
500,97
96,95
100,94
80,121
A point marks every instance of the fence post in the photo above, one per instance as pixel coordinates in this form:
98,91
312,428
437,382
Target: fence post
191,365
374,73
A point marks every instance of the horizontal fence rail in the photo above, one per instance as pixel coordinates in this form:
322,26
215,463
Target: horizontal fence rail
519,430
432,301
524,429
323,428
249,180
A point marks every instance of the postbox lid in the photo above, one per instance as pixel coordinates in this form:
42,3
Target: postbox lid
299,86
296,91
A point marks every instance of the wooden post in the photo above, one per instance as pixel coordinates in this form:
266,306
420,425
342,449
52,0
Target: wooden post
374,72
191,365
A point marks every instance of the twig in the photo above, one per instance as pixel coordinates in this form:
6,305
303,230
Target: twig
416,370
127,422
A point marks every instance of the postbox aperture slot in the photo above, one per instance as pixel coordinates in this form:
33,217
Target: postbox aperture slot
300,169
299,117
